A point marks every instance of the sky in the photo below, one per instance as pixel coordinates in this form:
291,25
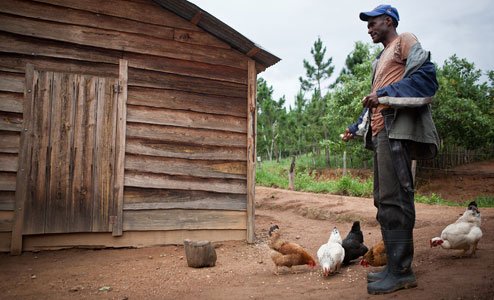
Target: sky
289,28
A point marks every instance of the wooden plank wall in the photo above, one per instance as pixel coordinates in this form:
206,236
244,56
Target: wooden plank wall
186,134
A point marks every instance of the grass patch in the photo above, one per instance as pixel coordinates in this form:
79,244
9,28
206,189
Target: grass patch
273,174
482,201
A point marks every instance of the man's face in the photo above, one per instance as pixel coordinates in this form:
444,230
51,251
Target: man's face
377,28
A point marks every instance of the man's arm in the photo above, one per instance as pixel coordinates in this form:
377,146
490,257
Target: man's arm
416,90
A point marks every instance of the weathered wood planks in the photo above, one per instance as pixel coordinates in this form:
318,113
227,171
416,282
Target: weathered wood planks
251,150
10,121
142,199
185,167
184,144
11,82
173,149
120,139
183,219
143,11
123,41
7,200
8,162
9,142
7,181
149,180
6,218
182,100
11,102
180,118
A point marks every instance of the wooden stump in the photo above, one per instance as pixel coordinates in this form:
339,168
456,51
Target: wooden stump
200,254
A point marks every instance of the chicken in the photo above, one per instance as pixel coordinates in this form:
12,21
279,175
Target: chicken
331,254
376,256
354,244
464,234
286,253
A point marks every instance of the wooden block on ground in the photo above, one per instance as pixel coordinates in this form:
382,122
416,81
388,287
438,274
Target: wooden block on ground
200,254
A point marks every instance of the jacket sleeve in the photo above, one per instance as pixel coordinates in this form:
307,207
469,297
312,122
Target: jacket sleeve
413,91
358,128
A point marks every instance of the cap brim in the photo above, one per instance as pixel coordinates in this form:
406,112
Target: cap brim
364,16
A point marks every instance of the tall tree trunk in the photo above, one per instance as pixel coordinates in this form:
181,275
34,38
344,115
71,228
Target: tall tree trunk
275,150
291,175
344,163
313,159
326,149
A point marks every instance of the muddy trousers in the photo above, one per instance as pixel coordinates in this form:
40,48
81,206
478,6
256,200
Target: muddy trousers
393,183
394,200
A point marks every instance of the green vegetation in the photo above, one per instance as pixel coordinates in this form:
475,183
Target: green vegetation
463,111
462,108
275,174
482,201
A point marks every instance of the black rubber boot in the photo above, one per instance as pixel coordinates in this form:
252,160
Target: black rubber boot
375,276
399,251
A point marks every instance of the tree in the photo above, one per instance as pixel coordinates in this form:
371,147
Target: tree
462,108
345,104
270,114
315,76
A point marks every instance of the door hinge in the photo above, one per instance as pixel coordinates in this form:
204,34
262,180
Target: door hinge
117,88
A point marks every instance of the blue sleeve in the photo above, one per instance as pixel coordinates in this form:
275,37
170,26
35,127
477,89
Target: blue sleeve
355,126
421,83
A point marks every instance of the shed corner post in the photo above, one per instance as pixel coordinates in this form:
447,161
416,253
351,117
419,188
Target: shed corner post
24,163
251,148
117,229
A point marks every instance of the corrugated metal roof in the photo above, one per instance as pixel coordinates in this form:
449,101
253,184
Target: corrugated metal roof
212,25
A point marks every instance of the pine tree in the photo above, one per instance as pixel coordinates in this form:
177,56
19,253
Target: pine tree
315,76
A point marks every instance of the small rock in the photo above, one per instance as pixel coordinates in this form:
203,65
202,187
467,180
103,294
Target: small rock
297,237
33,276
150,257
76,288
181,257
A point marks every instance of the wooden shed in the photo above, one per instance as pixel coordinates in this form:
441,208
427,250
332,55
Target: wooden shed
124,123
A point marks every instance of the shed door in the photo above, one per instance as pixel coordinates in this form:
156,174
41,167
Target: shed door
71,167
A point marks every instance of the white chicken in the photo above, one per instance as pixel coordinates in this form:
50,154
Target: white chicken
331,254
464,234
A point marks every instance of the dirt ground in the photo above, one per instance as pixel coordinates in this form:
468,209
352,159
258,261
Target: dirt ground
245,271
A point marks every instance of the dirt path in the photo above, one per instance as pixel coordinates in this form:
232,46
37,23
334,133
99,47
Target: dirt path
245,271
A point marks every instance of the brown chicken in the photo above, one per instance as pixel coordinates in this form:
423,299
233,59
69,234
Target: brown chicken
376,256
286,253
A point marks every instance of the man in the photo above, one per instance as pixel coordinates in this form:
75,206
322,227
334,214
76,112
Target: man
397,125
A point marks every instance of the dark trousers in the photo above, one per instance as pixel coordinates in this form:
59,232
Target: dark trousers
393,183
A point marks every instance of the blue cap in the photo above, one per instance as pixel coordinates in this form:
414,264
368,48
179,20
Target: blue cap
382,9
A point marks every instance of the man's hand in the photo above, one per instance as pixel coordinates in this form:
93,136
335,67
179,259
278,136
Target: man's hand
370,100
347,135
